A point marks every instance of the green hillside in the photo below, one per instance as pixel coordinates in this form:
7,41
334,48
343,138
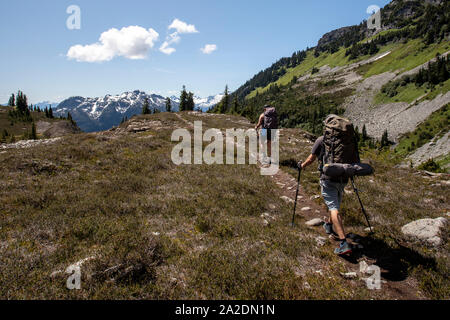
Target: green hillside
406,56
417,27
402,57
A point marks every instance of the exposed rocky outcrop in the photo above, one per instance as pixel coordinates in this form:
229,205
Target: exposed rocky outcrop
396,118
431,150
337,34
28,143
425,230
136,126
56,128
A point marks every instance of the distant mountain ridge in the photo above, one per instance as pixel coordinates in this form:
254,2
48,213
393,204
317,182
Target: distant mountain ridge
46,104
102,113
202,103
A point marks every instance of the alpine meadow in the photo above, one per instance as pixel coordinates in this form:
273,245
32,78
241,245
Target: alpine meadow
116,192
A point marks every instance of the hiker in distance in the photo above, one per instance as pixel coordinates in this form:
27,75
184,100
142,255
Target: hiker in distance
338,145
268,120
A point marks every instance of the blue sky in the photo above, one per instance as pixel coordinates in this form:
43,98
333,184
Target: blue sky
249,36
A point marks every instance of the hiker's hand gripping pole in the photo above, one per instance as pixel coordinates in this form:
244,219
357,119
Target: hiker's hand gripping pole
296,194
362,206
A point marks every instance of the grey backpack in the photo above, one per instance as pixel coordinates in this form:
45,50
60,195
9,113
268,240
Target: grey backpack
341,156
339,140
270,119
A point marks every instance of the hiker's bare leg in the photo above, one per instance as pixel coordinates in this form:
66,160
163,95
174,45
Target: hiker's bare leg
269,148
264,147
336,219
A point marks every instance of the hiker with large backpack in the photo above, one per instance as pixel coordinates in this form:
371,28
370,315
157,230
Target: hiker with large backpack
268,120
338,156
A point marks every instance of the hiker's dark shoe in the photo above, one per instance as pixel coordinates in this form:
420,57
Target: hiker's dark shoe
353,237
329,230
343,249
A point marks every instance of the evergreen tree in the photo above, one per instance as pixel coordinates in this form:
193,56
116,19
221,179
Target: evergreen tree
190,104
235,107
50,112
12,101
385,139
33,135
21,102
46,112
223,105
183,99
146,107
364,133
69,117
168,105
226,100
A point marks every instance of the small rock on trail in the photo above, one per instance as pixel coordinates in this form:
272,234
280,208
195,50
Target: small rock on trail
321,241
349,275
287,199
314,222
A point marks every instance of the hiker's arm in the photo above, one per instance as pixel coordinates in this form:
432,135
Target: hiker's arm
309,161
260,122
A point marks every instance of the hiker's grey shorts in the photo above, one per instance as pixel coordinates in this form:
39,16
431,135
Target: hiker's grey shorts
270,134
332,193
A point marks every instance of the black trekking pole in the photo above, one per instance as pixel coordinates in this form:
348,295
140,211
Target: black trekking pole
296,194
362,206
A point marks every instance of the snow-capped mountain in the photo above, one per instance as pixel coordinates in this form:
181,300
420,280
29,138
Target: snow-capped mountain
203,103
46,104
97,114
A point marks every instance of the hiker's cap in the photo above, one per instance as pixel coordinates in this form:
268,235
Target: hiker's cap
267,106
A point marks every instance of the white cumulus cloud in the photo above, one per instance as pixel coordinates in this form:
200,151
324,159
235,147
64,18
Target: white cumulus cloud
180,27
131,42
166,49
170,39
209,48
